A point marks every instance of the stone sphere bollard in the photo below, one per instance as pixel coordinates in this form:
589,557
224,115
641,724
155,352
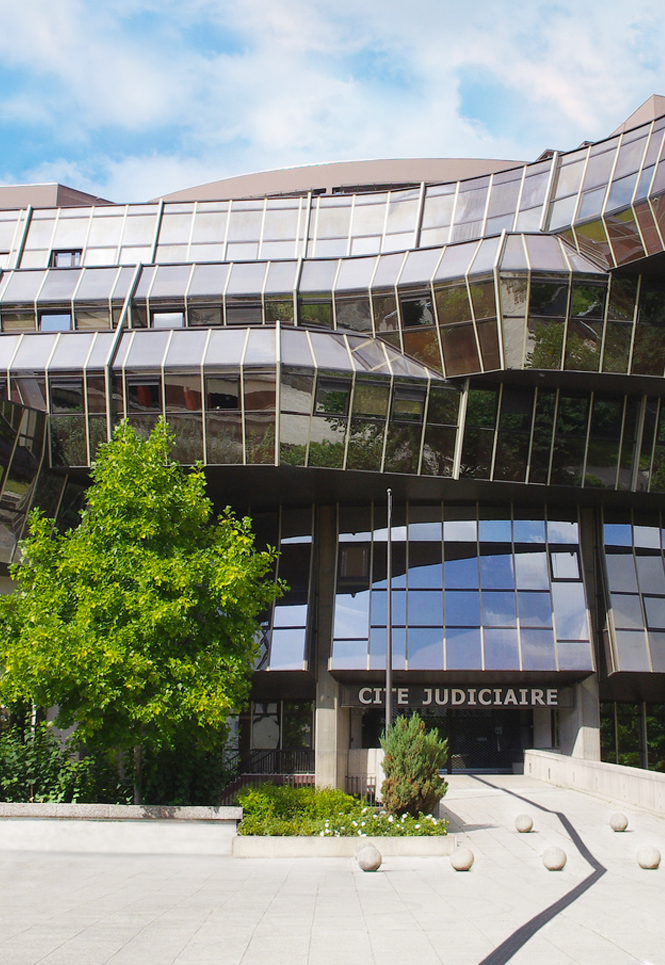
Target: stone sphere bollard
554,859
618,821
461,859
523,823
648,858
369,858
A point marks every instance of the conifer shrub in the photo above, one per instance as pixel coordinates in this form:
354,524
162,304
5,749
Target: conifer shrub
413,758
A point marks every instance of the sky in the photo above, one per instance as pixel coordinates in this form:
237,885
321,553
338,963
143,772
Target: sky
131,99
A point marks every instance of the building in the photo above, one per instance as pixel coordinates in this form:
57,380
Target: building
484,338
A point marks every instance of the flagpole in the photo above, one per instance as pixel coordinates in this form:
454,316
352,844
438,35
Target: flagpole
389,616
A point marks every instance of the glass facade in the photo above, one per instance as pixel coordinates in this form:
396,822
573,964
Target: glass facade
283,643
472,589
492,348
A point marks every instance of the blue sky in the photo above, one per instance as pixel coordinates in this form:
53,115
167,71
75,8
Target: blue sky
130,99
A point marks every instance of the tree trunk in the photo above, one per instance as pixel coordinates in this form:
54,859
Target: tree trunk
138,772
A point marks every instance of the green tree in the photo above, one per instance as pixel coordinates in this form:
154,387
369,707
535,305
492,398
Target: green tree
139,624
412,761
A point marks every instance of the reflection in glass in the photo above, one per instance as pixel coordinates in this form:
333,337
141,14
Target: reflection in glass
499,609
462,609
425,607
463,649
349,655
439,451
188,430
425,649
365,449
570,439
462,530
565,566
461,573
183,393
646,536
260,437
632,650
535,609
144,395
531,571
529,530
460,350
351,615
621,571
651,574
538,650
421,577
494,530
657,644
501,649
224,437
570,611
562,531
627,611
68,440
655,611
402,448
496,569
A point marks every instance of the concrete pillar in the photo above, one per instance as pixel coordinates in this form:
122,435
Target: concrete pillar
542,728
355,728
579,726
331,723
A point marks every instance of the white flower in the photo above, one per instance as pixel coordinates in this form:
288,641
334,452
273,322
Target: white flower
417,826
390,818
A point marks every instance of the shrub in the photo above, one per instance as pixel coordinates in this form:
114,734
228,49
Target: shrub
192,773
413,758
36,766
281,810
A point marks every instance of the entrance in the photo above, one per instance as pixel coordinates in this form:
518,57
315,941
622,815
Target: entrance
484,740
479,739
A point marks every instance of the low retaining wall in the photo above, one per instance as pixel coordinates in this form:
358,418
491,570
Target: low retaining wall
116,828
625,785
259,846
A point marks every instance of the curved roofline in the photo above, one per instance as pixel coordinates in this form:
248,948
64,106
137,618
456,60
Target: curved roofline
342,177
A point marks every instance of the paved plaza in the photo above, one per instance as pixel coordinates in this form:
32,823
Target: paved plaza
77,909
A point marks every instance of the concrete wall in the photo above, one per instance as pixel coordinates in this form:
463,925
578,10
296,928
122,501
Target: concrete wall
367,763
623,785
331,724
117,829
579,726
316,847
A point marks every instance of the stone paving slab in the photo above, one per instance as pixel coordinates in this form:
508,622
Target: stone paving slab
94,909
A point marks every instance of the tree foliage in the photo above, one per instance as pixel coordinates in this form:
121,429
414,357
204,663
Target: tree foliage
412,761
34,766
139,624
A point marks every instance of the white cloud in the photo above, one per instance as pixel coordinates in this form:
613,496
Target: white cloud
135,94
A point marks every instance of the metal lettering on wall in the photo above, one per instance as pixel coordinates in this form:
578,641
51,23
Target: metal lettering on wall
460,697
